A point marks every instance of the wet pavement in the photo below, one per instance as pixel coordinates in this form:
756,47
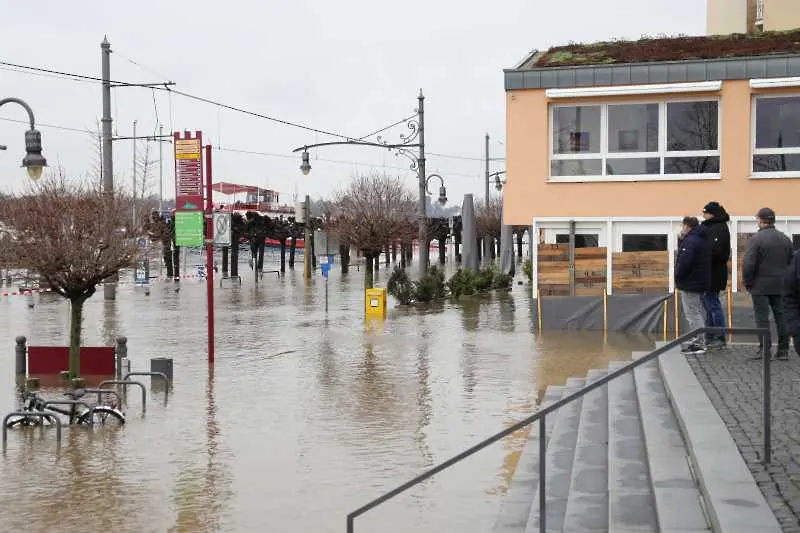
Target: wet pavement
305,417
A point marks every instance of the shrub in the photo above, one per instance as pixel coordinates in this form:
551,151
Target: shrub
400,286
485,279
527,269
431,286
462,283
502,281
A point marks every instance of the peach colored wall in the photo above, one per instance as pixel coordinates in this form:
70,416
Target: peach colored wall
781,14
726,16
528,192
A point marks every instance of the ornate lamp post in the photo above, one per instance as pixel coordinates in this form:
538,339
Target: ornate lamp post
416,139
33,161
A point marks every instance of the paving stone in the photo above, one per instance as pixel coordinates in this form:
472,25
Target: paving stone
734,385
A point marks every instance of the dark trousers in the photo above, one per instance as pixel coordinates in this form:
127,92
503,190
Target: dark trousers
761,306
715,318
257,252
172,260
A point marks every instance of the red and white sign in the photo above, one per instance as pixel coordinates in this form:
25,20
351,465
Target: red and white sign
188,171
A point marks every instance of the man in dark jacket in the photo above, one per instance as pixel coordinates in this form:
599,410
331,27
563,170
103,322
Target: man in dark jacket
693,278
768,254
715,221
791,300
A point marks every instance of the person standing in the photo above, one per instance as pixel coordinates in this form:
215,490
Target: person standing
791,300
715,221
769,252
693,278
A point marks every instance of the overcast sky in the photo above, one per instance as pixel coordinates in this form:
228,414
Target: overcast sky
350,67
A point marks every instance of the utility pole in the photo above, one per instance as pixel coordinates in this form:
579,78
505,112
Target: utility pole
160,169
487,239
134,174
110,287
423,196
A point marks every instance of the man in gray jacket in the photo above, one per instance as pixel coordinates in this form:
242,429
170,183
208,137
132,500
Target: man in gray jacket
768,254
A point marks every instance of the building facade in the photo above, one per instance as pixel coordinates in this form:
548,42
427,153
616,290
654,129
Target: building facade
610,157
746,16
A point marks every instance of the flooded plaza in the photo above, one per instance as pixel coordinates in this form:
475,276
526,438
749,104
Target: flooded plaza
305,417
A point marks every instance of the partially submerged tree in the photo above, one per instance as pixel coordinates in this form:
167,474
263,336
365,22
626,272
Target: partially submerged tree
74,237
371,211
488,221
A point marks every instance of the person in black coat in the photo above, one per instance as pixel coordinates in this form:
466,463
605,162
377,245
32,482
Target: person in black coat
693,278
769,253
791,300
715,221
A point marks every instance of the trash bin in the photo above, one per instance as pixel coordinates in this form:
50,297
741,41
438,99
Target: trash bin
375,303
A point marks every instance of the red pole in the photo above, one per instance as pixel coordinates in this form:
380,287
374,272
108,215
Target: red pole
209,257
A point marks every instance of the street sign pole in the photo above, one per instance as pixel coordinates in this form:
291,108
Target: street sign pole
209,257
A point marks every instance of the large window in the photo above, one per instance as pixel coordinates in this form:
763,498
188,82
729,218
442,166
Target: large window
644,243
644,140
582,240
776,135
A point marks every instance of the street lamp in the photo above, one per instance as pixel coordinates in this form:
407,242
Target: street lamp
33,161
497,183
442,189
416,139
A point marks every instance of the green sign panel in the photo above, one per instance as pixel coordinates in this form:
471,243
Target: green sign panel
189,228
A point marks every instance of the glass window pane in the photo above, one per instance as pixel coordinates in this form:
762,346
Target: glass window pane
692,126
622,167
691,165
776,163
644,243
576,167
576,129
778,122
582,240
633,128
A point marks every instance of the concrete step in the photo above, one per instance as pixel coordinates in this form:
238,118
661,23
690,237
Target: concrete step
675,493
630,503
558,462
587,504
516,506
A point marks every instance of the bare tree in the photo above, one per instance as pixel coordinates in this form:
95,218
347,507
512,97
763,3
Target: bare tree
95,173
75,237
371,211
488,219
145,171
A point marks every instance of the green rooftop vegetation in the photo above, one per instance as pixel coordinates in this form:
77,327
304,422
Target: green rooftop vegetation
655,49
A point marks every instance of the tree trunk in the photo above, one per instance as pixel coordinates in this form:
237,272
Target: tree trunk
387,255
234,255
394,252
377,262
369,263
492,248
403,255
519,244
283,255
442,251
292,248
75,328
311,250
344,254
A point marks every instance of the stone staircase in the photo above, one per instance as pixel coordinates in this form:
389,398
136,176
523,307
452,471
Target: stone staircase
647,452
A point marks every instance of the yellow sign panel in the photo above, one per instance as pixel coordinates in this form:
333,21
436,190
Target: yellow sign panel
187,149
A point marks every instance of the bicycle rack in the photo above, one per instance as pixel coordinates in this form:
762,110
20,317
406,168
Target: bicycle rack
125,383
100,393
70,402
161,375
43,416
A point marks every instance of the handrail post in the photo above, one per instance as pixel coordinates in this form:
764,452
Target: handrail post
766,400
542,473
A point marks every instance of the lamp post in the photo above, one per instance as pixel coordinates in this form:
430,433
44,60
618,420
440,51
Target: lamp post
416,139
33,161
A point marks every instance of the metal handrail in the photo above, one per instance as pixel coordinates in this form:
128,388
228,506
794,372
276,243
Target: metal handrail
763,334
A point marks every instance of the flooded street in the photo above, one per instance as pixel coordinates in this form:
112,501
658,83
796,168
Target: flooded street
305,417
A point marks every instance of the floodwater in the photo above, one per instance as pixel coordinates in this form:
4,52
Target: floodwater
305,417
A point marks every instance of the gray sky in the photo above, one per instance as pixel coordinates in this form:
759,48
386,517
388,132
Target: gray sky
350,67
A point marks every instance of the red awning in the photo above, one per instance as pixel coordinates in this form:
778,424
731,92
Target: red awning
225,187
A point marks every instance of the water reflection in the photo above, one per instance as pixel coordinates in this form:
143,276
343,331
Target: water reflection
302,406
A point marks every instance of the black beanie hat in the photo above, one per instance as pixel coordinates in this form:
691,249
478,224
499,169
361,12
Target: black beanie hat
713,208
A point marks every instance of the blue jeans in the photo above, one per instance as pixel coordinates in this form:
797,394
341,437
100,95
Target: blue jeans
715,318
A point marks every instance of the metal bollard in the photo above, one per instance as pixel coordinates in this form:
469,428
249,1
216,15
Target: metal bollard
121,353
162,365
21,357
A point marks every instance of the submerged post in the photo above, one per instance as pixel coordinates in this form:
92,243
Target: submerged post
121,353
21,359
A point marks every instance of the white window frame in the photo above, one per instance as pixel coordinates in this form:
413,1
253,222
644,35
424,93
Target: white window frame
769,151
662,152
